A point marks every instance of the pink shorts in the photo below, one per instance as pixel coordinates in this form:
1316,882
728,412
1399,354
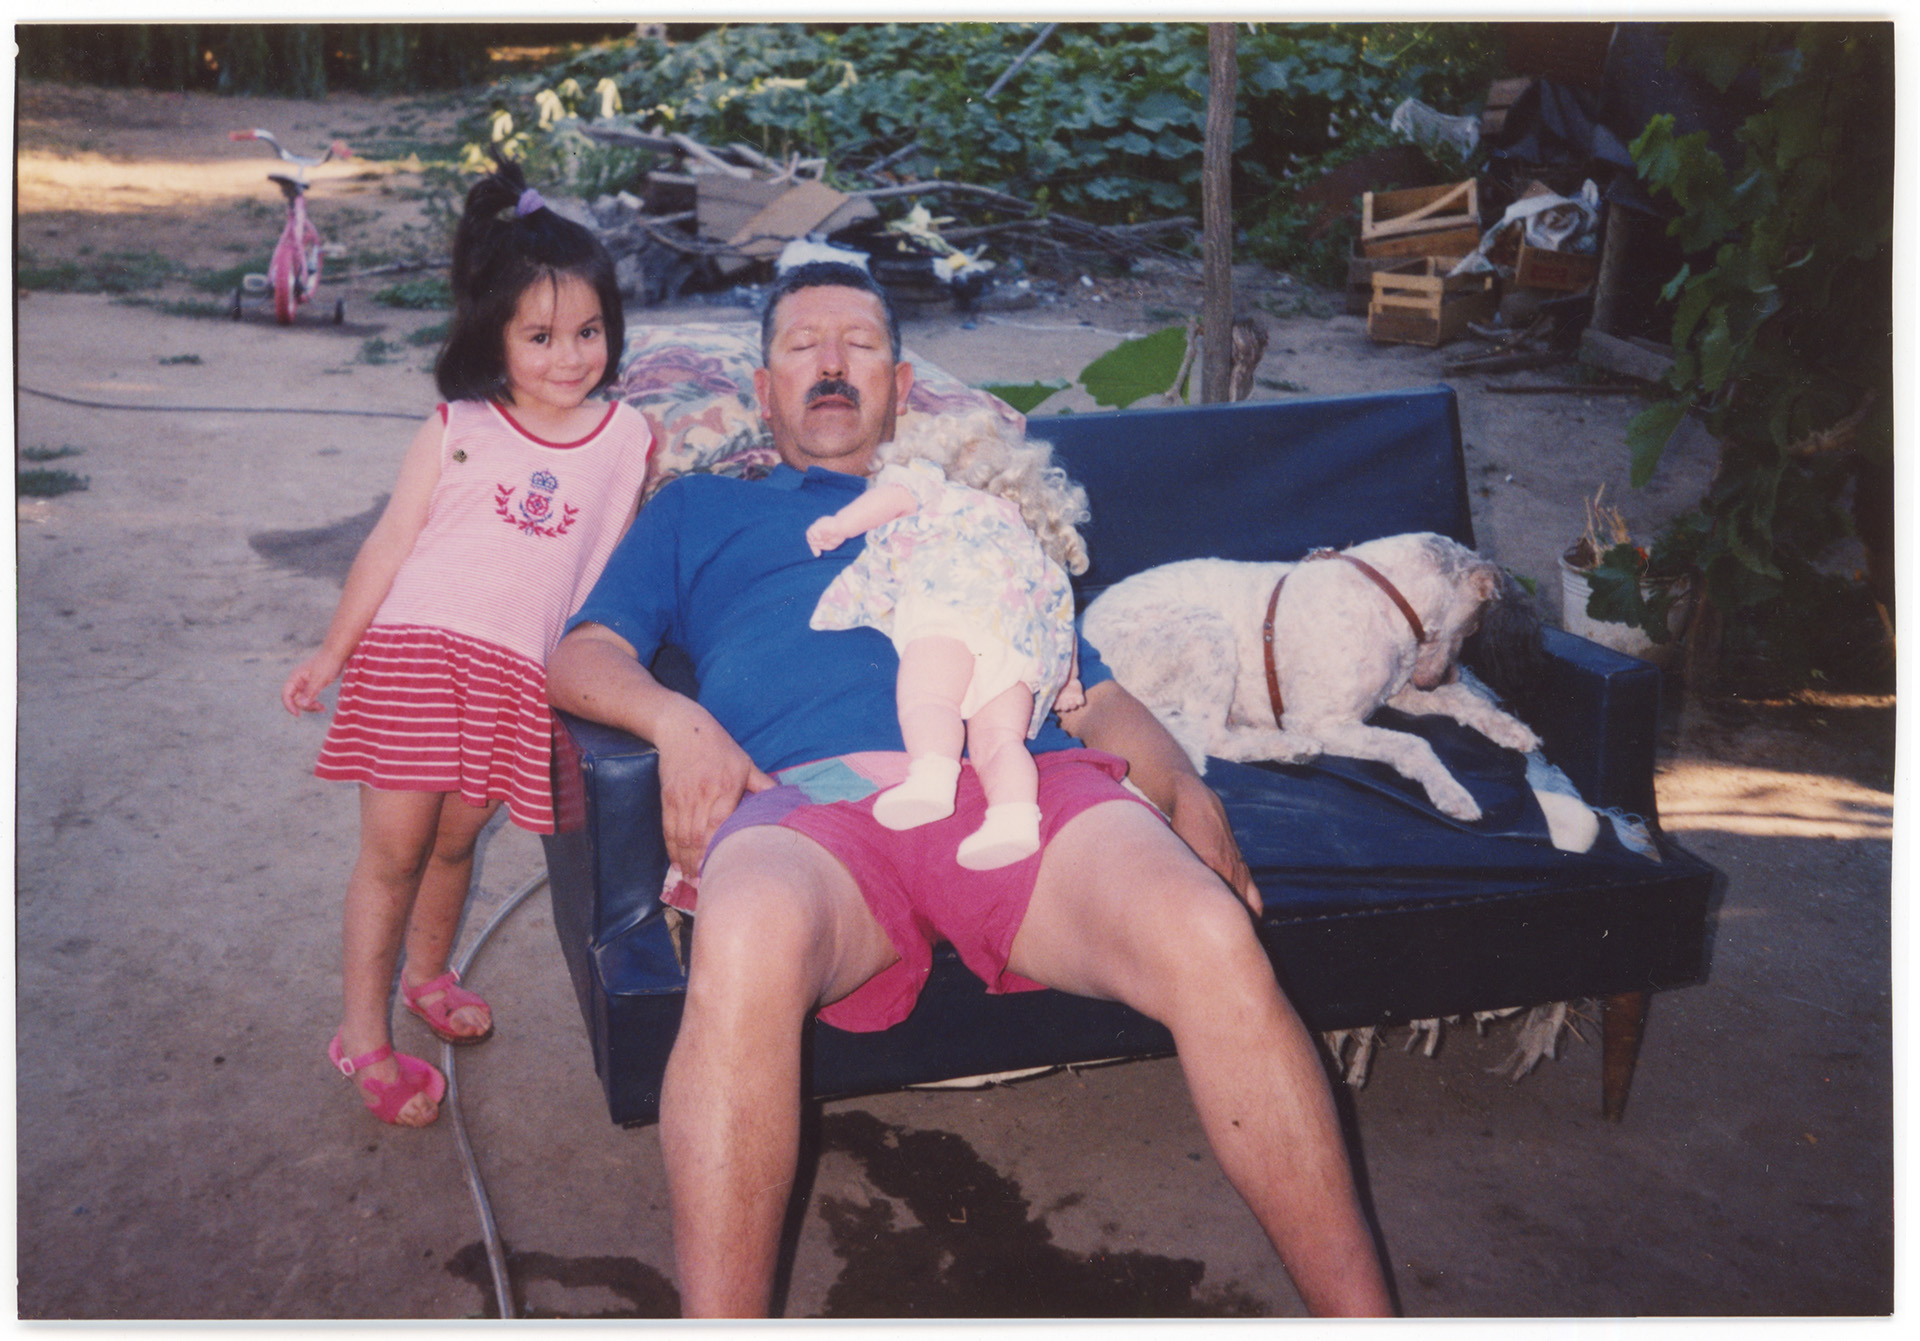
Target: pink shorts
915,888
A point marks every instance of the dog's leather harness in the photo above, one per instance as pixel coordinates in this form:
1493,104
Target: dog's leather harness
1273,602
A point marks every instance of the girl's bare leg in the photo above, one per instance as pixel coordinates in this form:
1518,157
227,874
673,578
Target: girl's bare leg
997,744
442,898
397,831
934,673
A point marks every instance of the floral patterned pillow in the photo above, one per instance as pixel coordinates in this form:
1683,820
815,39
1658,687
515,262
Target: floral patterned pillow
694,384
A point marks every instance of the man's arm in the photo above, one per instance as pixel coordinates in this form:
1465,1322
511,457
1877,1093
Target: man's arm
1115,721
594,673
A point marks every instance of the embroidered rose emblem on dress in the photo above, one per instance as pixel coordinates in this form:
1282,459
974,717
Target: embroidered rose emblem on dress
533,514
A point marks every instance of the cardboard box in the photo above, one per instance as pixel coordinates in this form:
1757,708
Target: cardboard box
1423,221
1539,268
1420,304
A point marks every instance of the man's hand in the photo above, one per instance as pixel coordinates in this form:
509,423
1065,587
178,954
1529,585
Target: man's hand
703,772
703,775
1201,821
1115,721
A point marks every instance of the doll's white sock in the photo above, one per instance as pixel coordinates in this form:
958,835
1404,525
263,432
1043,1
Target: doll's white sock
926,795
1009,833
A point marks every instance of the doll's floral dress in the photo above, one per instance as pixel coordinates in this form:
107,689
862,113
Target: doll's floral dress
962,565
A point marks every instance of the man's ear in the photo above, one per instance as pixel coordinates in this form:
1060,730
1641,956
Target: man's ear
762,388
902,384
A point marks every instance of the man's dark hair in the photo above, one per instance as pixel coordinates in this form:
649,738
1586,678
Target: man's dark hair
825,275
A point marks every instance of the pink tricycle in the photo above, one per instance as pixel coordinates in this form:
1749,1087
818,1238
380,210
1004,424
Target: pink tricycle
294,272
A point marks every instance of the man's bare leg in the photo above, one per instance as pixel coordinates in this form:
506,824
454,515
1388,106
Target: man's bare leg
1124,911
781,928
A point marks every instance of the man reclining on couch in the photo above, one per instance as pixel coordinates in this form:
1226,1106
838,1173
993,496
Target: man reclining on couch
808,906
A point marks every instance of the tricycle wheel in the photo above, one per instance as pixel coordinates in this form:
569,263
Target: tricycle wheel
339,310
284,302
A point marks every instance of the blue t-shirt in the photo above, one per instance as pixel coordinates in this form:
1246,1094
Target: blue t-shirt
720,568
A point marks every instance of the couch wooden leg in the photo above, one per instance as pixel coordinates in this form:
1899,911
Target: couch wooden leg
1623,1019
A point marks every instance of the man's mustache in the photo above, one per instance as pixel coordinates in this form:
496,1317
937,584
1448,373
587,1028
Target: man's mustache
834,386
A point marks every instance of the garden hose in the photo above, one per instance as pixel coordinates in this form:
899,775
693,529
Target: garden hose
219,409
490,1232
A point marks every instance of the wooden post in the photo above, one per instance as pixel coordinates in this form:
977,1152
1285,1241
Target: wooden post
1216,199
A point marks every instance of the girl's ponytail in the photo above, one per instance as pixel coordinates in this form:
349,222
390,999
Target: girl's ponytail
506,240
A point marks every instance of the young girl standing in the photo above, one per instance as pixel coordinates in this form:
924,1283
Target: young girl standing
509,501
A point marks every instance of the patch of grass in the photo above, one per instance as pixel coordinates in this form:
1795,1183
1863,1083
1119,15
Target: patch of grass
399,143
227,279
38,454
172,359
113,272
377,351
429,335
429,292
1276,384
260,209
180,307
47,483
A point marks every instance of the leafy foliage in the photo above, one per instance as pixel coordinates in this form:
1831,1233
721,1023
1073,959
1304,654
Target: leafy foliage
1106,121
1136,369
1782,314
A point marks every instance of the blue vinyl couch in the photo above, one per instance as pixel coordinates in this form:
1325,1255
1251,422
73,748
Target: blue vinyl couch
1378,909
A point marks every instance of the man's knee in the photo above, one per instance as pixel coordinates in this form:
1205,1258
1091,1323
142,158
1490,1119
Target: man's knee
780,927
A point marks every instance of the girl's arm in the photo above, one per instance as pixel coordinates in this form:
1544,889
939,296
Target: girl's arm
371,576
882,503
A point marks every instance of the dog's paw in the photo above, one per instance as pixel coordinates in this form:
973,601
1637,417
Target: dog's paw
1297,750
1514,734
1450,798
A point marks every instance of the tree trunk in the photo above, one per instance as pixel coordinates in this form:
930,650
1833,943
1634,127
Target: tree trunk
1216,197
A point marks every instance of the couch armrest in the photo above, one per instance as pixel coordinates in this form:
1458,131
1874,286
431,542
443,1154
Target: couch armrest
609,854
1598,714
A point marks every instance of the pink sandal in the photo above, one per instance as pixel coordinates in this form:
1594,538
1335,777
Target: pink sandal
388,1097
438,1015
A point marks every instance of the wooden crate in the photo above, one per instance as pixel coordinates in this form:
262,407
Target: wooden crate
1539,268
1360,273
1423,221
1420,304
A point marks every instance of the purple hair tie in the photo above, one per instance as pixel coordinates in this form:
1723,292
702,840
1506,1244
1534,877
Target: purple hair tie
529,202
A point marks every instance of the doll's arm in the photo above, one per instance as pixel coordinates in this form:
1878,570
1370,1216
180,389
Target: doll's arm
882,503
372,574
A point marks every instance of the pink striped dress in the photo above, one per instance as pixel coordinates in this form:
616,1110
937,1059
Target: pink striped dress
447,689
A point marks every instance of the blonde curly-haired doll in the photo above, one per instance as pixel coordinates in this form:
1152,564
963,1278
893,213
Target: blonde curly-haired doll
971,536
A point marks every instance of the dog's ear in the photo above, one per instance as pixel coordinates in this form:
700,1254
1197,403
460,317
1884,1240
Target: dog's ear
1486,582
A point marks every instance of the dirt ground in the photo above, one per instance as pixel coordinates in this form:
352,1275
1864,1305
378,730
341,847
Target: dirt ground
185,1152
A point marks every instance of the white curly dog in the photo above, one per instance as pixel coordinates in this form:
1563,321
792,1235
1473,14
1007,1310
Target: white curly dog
1285,661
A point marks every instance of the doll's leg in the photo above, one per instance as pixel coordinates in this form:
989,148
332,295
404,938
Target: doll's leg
934,673
997,744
